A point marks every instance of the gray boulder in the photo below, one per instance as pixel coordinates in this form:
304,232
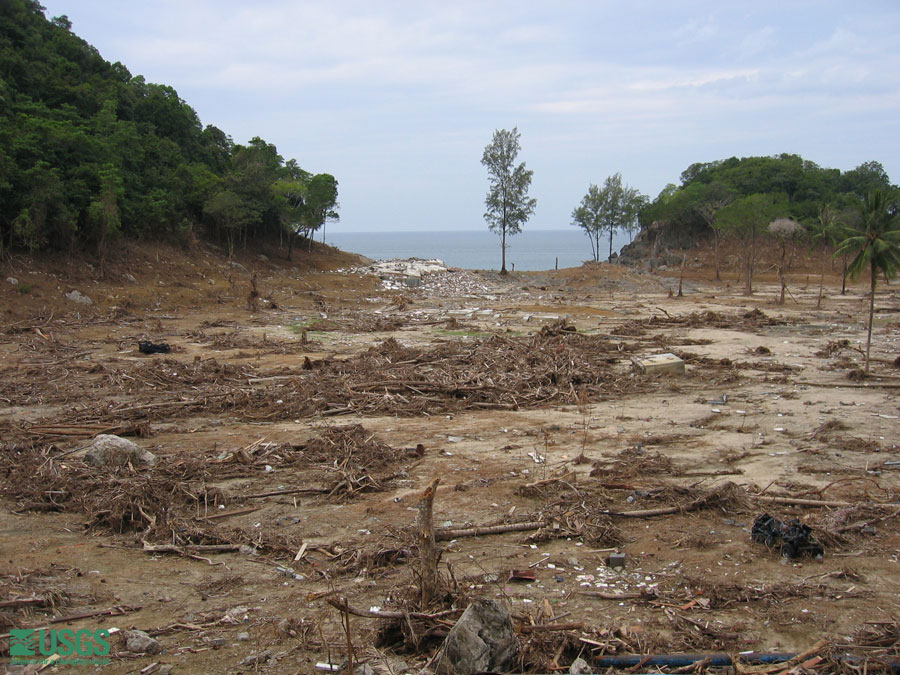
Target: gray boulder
76,296
482,640
138,642
110,450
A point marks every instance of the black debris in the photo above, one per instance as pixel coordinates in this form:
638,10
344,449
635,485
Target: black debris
147,347
793,539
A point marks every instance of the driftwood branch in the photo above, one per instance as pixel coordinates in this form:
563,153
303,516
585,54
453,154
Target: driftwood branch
547,627
791,501
388,614
112,611
40,600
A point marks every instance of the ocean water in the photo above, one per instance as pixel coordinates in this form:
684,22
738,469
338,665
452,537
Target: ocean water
476,249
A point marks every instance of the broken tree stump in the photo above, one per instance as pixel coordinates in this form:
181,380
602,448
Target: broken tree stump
428,552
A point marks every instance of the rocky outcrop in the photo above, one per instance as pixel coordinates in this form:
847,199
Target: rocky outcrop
660,245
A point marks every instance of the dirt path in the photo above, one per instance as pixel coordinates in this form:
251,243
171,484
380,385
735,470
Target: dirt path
314,423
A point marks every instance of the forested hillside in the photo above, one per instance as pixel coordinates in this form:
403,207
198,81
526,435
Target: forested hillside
89,153
795,187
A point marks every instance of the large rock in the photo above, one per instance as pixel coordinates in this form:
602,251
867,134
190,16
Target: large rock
110,450
76,296
138,642
482,640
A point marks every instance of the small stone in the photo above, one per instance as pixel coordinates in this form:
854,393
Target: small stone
243,637
139,642
253,659
130,277
616,560
165,669
12,280
580,667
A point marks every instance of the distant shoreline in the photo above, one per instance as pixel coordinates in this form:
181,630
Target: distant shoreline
531,250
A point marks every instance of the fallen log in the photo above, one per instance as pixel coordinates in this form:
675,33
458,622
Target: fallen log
792,501
445,534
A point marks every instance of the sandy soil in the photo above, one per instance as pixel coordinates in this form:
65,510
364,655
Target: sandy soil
517,392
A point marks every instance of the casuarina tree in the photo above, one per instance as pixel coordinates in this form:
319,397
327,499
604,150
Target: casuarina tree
508,205
875,240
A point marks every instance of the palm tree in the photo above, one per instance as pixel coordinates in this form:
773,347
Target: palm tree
876,242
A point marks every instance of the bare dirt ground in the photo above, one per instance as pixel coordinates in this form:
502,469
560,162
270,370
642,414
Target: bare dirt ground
294,441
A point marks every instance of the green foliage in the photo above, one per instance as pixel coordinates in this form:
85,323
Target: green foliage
607,210
508,206
804,185
874,241
89,152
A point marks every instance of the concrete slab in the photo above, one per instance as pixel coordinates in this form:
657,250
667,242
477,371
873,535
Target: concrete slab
659,363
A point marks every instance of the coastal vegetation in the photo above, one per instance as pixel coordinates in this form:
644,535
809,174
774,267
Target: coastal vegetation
90,153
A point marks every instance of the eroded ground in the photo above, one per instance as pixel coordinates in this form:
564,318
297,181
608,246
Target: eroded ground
294,442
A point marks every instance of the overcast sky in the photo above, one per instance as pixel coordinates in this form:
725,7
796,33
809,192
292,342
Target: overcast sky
398,99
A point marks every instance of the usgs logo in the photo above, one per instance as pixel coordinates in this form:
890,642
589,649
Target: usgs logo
33,643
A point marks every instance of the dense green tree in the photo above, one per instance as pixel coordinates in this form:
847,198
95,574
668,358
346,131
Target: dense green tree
747,219
88,151
321,202
508,206
875,244
607,210
588,216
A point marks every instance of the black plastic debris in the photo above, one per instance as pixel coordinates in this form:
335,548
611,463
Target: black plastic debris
793,539
147,347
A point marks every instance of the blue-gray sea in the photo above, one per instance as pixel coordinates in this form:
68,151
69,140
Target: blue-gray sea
476,250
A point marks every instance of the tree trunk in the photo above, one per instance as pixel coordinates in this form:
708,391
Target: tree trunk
611,231
871,315
503,251
716,252
822,276
748,271
844,275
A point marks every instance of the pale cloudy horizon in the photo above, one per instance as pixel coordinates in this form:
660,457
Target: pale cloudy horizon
398,99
